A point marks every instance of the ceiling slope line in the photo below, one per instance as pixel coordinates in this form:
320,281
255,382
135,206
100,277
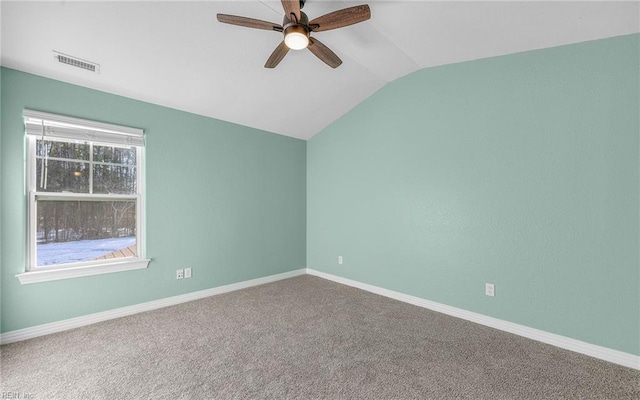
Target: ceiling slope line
417,65
278,11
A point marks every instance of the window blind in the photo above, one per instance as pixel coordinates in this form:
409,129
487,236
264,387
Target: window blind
58,126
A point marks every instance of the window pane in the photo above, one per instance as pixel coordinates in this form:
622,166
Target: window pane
114,155
62,176
74,231
114,179
61,149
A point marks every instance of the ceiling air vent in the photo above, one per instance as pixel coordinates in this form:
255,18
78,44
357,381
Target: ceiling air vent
77,62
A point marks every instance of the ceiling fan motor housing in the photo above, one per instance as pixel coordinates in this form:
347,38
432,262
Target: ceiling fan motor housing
304,21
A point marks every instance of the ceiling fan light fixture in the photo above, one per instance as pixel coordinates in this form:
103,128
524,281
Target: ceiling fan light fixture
296,37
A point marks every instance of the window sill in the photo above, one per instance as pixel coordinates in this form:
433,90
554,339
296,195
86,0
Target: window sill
76,272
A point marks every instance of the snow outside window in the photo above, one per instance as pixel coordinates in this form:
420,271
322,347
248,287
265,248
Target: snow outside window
86,211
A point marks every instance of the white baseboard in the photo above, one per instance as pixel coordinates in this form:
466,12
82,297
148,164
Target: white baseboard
59,326
603,353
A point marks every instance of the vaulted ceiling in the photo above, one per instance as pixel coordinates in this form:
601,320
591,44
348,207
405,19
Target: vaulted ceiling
178,55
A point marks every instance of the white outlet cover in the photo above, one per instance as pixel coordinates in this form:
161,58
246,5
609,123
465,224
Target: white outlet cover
179,274
489,289
340,260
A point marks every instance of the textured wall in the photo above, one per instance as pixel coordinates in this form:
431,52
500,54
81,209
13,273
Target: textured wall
519,170
228,201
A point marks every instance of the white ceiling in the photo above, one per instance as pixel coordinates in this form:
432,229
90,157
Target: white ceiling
177,55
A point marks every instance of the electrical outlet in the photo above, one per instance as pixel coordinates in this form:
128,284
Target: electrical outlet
340,260
489,289
187,273
179,274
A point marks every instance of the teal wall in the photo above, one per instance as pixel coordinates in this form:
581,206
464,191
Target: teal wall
227,200
520,170
1,162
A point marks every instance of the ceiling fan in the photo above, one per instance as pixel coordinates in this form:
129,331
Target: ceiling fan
296,28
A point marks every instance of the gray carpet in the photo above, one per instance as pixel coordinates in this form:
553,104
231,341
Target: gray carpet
302,338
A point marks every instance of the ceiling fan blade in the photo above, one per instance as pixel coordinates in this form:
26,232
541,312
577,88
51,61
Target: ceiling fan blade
338,19
291,7
277,55
324,53
249,22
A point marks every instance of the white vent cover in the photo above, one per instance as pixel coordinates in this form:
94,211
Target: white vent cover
77,62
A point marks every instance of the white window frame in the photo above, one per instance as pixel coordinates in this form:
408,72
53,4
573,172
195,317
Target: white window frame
40,124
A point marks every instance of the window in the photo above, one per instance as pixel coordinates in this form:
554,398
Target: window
86,210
